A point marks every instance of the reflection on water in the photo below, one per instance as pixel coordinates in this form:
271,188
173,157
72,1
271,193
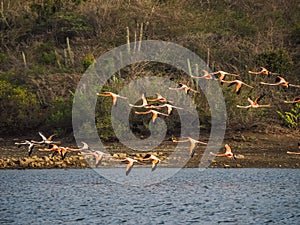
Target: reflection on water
212,196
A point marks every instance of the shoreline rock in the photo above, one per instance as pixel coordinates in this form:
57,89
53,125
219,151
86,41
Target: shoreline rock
80,162
263,151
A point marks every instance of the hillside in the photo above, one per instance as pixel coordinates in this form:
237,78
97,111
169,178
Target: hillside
47,45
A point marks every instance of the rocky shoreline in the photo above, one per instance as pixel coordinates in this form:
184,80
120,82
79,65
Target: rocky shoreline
44,162
261,150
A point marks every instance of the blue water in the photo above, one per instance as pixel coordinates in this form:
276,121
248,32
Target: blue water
211,196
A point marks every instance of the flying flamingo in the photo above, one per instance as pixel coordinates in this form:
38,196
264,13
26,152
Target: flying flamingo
238,84
169,107
222,75
130,162
98,156
144,103
254,104
112,95
262,71
62,151
184,87
155,160
278,81
207,75
228,153
159,98
85,147
294,153
193,143
154,114
46,141
29,143
86,150
281,81
295,100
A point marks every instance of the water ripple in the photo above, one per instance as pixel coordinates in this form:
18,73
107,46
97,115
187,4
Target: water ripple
213,196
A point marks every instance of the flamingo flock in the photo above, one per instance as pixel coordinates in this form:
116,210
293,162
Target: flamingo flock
51,146
154,109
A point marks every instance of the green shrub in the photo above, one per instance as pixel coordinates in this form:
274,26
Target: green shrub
278,61
3,58
19,108
69,24
48,58
87,61
292,118
42,53
60,118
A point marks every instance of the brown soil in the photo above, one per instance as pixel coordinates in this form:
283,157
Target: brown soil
260,150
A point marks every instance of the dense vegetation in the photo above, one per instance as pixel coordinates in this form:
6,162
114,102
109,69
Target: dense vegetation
47,44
